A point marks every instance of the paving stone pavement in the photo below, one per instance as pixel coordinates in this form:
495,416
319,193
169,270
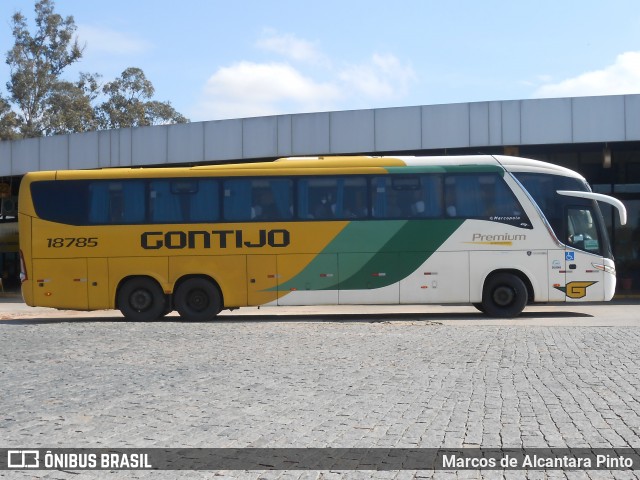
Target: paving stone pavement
103,382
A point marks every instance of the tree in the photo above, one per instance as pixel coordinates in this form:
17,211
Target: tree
129,103
47,104
70,106
8,121
36,63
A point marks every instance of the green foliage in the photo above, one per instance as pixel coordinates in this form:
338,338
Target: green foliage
70,106
8,121
36,62
129,103
46,104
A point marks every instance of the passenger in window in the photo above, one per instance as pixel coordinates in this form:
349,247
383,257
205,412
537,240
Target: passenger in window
393,209
358,209
418,206
116,207
267,208
324,209
450,202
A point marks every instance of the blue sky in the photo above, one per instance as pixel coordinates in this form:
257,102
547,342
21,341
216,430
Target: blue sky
220,59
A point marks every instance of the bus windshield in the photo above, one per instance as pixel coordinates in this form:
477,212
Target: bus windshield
576,222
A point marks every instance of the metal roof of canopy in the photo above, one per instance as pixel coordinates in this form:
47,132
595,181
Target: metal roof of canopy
603,119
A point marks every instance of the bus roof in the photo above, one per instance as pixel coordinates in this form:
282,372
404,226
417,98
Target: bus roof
320,165
510,163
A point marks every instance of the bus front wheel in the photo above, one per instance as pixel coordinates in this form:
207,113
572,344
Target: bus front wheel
141,300
197,299
504,295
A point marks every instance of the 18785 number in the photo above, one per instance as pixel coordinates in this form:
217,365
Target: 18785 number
60,242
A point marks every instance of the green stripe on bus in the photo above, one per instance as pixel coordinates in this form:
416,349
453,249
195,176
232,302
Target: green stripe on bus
409,248
374,254
359,237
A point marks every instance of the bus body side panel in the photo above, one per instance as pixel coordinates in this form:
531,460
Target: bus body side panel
490,246
262,278
316,286
609,281
557,274
373,258
443,278
368,284
98,284
61,283
532,263
584,282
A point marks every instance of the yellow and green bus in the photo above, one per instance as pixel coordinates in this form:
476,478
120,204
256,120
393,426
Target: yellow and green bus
497,232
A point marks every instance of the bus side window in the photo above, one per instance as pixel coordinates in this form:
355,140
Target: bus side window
99,203
183,200
132,201
164,205
272,199
117,202
463,197
407,196
205,203
500,198
237,200
258,199
384,199
427,202
67,202
354,199
482,196
317,198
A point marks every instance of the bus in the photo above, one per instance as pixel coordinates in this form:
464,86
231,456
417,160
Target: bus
496,232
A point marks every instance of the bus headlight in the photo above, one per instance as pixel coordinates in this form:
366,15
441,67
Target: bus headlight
604,268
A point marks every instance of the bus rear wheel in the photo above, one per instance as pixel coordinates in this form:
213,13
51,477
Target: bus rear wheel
141,300
197,299
504,295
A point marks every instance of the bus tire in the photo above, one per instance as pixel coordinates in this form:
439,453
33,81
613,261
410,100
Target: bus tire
141,299
504,295
197,299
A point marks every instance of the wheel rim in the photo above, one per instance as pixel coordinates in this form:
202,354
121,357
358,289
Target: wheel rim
198,300
504,296
141,300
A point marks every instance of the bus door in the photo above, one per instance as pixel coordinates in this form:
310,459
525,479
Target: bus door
584,247
588,259
60,283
